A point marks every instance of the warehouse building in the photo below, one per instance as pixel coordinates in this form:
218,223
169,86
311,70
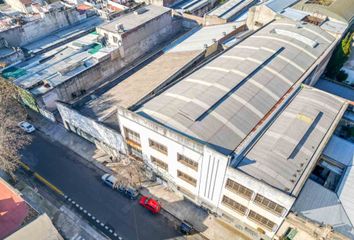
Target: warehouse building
239,135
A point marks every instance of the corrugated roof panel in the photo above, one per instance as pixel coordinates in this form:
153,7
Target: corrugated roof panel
226,73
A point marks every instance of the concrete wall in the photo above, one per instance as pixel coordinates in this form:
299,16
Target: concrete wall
37,29
136,42
102,136
84,81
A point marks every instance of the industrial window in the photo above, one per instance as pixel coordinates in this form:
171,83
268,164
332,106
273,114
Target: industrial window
136,153
158,147
239,189
187,178
132,136
159,163
257,218
234,205
269,205
187,161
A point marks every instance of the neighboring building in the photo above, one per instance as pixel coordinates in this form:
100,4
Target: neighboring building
195,7
338,10
239,135
68,72
232,9
18,220
41,228
24,29
138,32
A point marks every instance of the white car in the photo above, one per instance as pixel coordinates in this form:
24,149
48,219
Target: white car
27,127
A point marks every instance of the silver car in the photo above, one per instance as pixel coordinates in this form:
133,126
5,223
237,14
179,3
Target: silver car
27,127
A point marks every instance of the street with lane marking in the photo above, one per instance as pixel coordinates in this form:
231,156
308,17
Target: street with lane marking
67,171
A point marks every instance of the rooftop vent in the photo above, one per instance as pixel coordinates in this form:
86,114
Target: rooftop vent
120,28
140,11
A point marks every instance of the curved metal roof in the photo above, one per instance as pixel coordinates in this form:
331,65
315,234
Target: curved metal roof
222,102
342,10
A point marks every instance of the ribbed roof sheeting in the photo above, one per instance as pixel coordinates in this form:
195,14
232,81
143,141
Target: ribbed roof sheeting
342,10
220,103
286,149
319,204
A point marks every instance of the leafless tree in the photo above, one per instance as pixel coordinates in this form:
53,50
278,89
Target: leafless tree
12,138
129,172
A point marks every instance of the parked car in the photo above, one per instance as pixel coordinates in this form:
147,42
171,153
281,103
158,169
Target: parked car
150,204
129,192
186,228
27,127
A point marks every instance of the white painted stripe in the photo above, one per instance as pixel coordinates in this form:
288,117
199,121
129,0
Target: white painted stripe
246,47
242,74
169,121
214,114
232,57
305,28
284,79
302,70
234,96
216,68
285,59
271,70
263,88
287,42
185,99
333,110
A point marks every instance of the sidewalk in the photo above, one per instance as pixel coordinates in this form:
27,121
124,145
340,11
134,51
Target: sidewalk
58,133
68,223
209,226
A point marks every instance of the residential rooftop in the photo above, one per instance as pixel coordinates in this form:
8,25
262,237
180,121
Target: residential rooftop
174,58
288,147
45,71
135,19
222,102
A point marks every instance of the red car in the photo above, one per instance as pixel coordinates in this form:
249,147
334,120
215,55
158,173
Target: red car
150,204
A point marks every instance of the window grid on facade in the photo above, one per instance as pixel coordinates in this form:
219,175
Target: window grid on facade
187,178
159,163
234,205
158,147
259,219
239,189
269,205
187,161
132,136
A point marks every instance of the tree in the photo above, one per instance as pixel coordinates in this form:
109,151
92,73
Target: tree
339,57
129,172
341,76
347,44
12,138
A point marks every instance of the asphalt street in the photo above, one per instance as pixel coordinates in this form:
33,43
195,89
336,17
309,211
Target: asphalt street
66,170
